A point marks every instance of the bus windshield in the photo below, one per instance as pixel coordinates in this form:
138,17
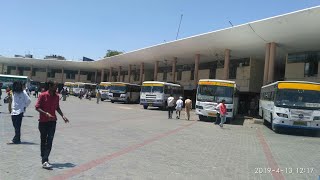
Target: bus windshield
104,87
158,89
301,99
212,93
118,89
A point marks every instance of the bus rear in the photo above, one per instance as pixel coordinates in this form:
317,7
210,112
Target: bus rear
210,93
152,94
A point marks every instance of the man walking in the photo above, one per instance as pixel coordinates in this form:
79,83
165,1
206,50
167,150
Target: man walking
98,95
47,105
179,105
170,103
20,101
223,112
188,106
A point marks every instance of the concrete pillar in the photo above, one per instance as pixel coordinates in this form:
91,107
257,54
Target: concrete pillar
196,69
110,74
79,75
62,77
129,73
155,75
96,76
30,73
141,72
46,74
266,64
17,71
2,68
174,63
272,62
102,75
119,74
226,64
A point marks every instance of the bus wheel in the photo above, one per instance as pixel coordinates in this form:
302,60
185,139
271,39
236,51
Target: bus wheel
265,122
202,118
273,127
112,101
145,107
102,99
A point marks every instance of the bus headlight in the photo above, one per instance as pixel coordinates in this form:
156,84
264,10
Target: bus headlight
122,95
199,107
282,115
229,110
142,100
316,118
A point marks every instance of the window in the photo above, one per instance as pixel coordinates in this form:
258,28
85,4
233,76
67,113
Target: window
311,68
192,75
179,75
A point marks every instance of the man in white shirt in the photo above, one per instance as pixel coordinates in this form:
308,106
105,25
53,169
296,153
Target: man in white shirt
170,103
20,100
179,105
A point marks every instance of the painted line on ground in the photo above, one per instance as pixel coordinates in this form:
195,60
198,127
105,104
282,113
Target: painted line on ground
94,163
268,154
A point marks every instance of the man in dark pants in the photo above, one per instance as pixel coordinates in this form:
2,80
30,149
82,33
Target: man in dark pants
170,102
47,104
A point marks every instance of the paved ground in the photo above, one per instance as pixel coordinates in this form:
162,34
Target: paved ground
118,141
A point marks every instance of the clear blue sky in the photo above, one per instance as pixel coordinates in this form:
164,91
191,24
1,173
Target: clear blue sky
76,28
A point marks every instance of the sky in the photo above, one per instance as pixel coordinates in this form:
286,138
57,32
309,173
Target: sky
77,28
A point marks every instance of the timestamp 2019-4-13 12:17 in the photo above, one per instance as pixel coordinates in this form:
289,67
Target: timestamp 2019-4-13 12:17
284,170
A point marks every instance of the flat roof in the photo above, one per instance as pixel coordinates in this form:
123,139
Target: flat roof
293,32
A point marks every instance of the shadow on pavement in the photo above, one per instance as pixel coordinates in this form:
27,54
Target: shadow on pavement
29,143
62,165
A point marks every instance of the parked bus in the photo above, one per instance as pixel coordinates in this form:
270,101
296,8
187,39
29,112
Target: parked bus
90,87
124,92
7,80
77,86
104,88
156,93
211,92
69,86
292,104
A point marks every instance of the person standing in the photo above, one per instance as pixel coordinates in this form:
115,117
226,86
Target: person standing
64,94
98,95
20,101
170,103
179,105
188,107
222,111
47,105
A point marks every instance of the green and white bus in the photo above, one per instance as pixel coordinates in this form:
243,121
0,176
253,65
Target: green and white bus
7,80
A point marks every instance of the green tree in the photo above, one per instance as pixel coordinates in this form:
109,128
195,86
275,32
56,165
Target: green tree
112,53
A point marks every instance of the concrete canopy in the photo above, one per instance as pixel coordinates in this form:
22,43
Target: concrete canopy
293,32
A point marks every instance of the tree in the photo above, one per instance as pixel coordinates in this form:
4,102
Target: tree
112,53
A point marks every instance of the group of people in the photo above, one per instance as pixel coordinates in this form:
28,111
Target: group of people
89,94
178,105
47,105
